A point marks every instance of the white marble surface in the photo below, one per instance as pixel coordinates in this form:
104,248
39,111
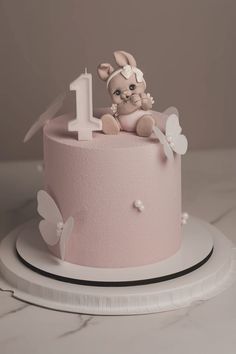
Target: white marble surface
209,191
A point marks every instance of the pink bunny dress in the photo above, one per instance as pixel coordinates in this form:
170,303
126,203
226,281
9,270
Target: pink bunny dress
129,121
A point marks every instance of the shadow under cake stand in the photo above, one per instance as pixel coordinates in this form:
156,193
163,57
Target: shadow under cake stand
203,267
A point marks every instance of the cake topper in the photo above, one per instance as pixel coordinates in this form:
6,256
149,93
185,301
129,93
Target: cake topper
131,104
84,123
53,229
172,140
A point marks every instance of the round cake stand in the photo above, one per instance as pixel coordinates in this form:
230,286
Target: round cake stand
203,267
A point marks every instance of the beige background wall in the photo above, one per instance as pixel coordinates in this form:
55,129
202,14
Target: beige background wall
185,47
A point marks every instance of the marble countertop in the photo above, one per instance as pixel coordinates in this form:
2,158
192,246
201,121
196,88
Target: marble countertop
209,192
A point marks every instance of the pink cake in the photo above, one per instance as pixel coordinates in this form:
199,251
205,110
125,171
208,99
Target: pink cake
98,181
111,225
112,183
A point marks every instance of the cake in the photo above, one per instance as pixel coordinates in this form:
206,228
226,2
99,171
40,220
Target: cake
98,181
112,190
112,237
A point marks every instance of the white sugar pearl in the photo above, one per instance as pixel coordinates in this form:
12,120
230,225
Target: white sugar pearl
137,203
60,225
185,216
141,208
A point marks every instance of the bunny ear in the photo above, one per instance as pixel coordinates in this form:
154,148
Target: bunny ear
104,71
123,58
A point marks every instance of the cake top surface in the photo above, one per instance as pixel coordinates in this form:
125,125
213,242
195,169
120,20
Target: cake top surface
56,130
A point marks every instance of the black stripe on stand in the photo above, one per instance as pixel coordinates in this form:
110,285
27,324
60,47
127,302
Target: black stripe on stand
116,283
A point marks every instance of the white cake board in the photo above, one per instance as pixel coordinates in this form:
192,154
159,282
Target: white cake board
216,274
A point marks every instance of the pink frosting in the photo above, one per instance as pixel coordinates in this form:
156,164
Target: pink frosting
97,183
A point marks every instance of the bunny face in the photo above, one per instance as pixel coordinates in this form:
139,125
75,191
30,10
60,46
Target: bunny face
125,81
121,89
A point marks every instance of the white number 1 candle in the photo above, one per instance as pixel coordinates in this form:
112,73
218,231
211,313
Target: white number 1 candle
84,123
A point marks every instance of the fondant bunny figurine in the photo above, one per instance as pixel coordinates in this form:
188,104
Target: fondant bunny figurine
131,104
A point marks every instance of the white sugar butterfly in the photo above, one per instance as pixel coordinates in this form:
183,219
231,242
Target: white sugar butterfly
46,116
172,140
52,228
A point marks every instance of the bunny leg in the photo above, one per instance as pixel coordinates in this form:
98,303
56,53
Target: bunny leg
110,125
145,125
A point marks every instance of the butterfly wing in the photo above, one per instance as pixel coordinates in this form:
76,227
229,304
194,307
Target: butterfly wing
47,208
66,233
171,110
159,135
33,129
180,144
46,116
172,126
48,232
167,149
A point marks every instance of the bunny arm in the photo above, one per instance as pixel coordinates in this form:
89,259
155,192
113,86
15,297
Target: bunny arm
146,101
